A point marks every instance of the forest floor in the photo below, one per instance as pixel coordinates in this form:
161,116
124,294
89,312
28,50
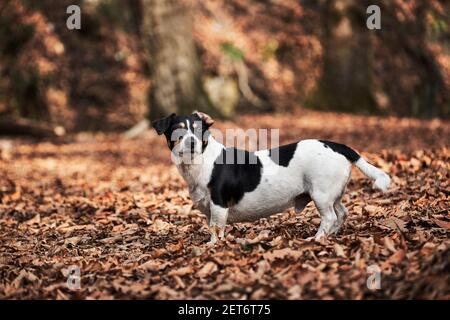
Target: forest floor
118,210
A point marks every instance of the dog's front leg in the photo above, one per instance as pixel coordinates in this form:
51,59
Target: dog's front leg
217,222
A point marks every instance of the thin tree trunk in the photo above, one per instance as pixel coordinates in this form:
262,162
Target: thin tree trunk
174,64
346,76
135,7
411,38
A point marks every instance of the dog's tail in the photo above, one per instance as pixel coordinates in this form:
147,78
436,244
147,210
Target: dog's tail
382,180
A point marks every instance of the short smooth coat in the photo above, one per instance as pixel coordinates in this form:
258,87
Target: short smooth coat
313,169
268,181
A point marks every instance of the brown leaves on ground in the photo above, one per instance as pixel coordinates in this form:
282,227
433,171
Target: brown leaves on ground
120,212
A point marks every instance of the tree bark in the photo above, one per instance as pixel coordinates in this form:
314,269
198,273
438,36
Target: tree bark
346,79
411,39
174,65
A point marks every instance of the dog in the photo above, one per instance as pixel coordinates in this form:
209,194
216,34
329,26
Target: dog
228,190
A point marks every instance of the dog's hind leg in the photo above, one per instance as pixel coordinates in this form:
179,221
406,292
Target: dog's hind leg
328,217
340,209
341,212
301,201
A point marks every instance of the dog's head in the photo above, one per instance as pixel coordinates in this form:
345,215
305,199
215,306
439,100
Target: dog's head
186,135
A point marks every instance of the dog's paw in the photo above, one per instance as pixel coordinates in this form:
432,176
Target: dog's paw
336,227
319,236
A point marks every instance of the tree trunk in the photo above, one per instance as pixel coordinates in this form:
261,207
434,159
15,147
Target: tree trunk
346,78
174,65
135,7
430,95
432,79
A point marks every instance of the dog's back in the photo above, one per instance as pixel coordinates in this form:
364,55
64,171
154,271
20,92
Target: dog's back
306,167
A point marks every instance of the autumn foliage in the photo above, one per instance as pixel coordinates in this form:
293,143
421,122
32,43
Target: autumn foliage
119,211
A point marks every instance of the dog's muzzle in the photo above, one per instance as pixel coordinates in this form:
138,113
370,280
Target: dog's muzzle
190,144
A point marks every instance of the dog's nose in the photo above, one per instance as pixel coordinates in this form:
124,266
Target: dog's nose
190,143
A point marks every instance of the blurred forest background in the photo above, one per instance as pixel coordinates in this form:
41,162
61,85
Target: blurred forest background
138,58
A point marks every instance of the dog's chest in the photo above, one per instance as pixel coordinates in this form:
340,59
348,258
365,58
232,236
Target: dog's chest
201,198
197,179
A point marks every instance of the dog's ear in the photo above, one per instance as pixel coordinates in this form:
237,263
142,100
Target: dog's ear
205,118
163,124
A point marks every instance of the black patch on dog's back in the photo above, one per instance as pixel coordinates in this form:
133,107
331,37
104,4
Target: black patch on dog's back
229,181
347,152
285,154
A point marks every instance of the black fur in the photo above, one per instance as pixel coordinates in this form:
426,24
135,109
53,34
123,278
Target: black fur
285,154
229,181
162,125
347,152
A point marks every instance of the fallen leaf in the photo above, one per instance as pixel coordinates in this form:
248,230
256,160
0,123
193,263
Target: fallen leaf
24,275
35,220
262,236
339,250
371,209
208,269
389,243
281,254
67,229
394,259
427,249
73,240
442,224
181,271
395,224
16,195
154,265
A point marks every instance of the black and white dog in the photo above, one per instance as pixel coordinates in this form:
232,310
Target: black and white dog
226,189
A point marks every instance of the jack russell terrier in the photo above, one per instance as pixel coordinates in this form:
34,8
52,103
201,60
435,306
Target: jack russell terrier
226,189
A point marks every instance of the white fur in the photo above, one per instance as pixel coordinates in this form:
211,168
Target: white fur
382,180
314,170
